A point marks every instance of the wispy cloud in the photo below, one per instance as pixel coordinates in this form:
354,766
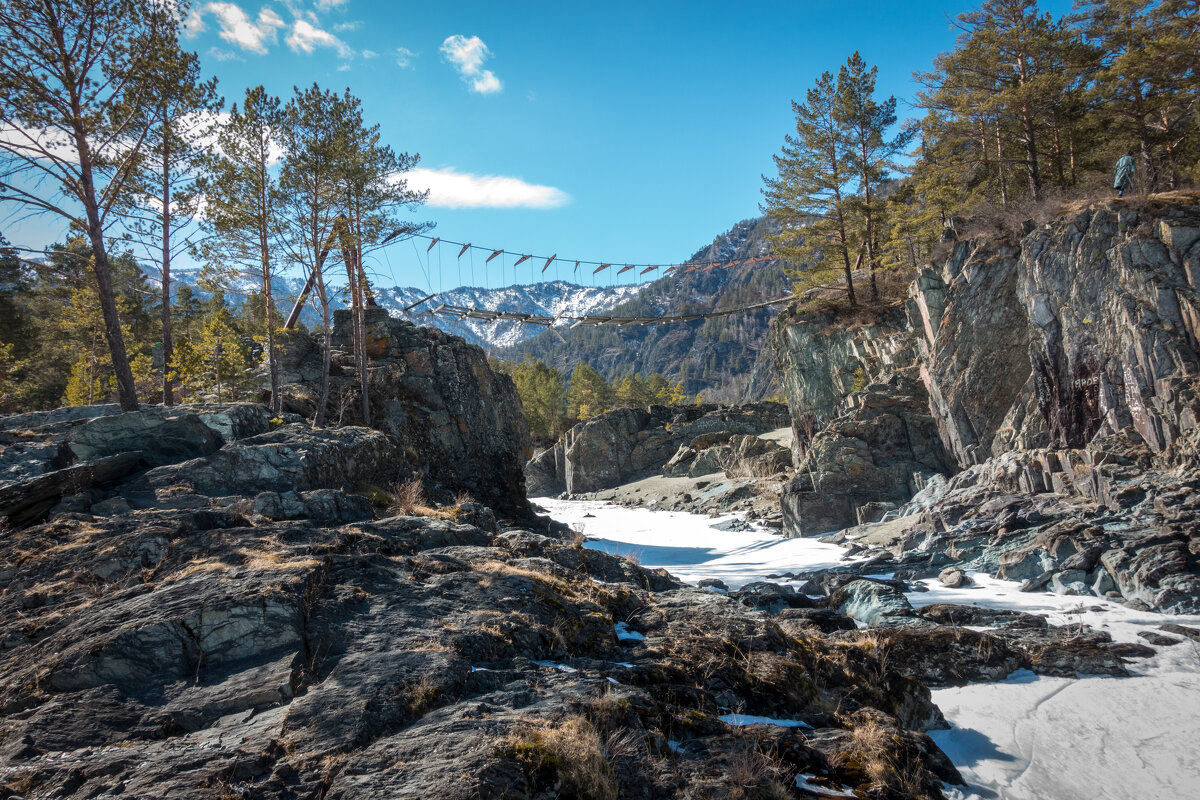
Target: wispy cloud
467,56
449,188
404,57
344,27
223,55
325,5
238,29
306,37
369,54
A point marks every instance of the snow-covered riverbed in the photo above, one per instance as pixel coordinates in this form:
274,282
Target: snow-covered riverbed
1026,738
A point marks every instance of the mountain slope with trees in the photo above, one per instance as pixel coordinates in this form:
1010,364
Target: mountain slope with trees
712,357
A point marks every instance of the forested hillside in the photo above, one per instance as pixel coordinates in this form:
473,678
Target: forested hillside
712,357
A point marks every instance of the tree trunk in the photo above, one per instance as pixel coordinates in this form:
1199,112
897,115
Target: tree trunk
323,296
168,352
846,260
1144,141
872,264
360,325
1031,154
1000,167
269,307
126,392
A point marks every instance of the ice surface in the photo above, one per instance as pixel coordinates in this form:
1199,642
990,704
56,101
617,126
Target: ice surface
687,545
749,719
1026,738
626,635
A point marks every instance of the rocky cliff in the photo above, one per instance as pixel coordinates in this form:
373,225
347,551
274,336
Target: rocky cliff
1085,330
1052,377
457,423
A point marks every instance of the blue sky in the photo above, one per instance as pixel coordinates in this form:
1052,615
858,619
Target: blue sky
618,131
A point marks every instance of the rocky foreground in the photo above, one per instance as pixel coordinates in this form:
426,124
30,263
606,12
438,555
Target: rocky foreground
208,602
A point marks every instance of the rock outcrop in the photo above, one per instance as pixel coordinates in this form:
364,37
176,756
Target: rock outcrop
876,454
85,451
1087,328
188,652
630,443
457,423
1058,377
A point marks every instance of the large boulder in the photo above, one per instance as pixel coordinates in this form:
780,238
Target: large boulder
629,443
160,438
882,448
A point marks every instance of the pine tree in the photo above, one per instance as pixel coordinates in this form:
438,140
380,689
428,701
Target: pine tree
372,193
809,196
243,207
543,396
69,71
870,154
1012,68
589,394
165,197
315,139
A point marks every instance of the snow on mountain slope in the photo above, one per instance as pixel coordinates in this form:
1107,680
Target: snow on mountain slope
550,298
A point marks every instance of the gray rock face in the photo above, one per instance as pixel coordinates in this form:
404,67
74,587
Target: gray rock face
871,602
881,448
1074,522
1087,330
191,651
457,422
161,439
820,361
70,452
629,443
291,458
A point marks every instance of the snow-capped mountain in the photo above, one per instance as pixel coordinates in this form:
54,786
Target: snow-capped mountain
550,298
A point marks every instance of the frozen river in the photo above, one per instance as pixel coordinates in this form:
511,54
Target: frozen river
1026,738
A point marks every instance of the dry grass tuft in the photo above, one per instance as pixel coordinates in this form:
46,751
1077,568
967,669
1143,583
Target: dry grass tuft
754,775
421,694
572,749
408,497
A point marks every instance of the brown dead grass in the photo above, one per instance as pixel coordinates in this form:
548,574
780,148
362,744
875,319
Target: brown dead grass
408,497
572,749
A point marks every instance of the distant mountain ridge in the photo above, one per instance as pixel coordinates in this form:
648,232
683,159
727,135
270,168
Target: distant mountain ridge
714,356
550,298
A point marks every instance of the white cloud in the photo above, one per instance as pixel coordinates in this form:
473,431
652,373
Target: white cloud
31,142
307,37
451,189
237,28
343,27
404,57
193,23
486,83
369,54
325,5
467,56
